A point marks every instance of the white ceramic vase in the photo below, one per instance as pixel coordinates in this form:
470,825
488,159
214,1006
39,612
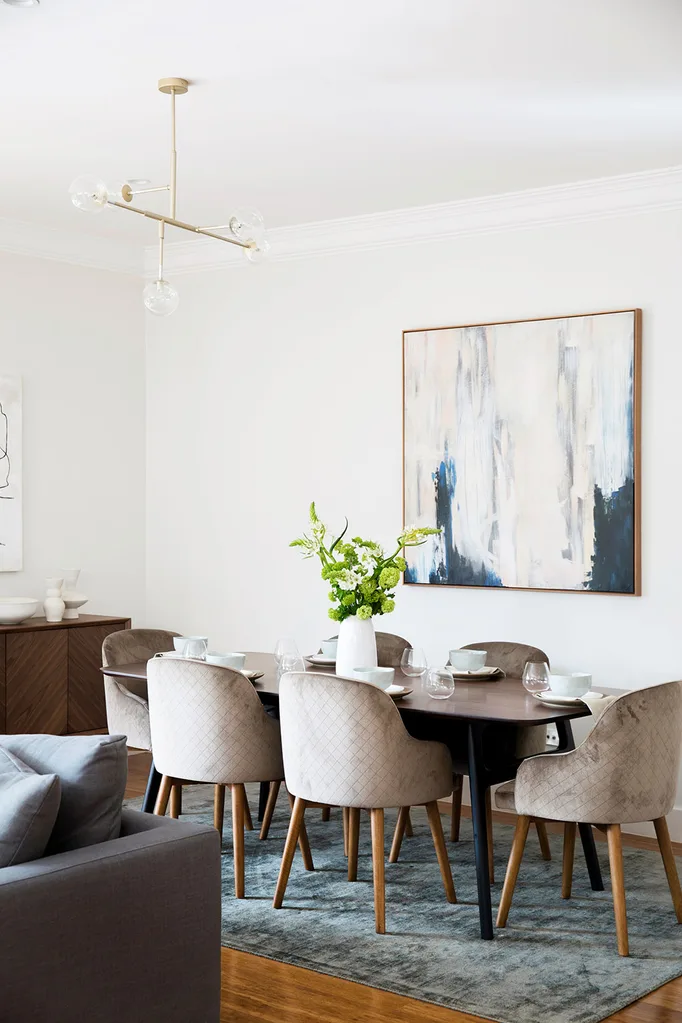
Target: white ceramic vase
357,646
53,603
70,595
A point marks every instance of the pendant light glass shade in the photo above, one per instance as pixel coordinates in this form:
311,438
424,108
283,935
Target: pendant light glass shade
89,194
160,298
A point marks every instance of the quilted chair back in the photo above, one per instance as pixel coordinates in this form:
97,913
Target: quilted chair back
131,645
624,772
510,657
208,724
344,744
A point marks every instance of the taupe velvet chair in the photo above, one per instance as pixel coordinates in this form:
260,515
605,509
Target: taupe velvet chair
126,702
624,772
344,744
209,726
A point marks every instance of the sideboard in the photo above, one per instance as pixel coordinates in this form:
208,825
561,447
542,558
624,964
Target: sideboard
50,678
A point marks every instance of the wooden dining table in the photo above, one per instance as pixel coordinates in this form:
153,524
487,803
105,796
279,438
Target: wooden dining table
474,709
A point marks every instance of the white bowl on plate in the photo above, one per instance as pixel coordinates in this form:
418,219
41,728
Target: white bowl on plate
233,660
380,677
468,660
17,609
576,684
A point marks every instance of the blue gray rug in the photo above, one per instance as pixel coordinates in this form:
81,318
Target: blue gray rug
556,960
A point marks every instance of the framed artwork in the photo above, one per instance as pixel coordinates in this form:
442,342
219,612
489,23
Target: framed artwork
10,474
521,441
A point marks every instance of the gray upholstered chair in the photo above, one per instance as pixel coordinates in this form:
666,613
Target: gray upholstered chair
344,744
126,701
624,772
209,726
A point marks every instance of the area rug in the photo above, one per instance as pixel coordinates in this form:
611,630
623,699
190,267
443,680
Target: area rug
556,960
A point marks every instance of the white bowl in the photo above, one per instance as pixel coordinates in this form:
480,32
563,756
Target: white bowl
576,684
468,660
179,641
226,660
328,647
380,677
17,609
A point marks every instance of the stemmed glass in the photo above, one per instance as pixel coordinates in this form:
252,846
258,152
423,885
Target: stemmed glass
195,647
535,676
290,662
413,662
284,646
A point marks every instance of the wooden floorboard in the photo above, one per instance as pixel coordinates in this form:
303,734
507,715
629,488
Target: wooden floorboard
258,990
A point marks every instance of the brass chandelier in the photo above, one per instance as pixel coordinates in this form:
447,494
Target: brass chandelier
246,229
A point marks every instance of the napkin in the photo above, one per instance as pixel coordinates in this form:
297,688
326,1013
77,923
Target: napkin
597,704
477,676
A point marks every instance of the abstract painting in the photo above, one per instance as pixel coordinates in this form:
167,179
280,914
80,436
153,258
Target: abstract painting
10,474
521,442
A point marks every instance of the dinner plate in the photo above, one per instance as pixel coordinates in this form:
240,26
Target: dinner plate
397,692
321,660
252,675
554,700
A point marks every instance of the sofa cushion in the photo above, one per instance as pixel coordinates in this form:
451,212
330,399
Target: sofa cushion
29,803
93,770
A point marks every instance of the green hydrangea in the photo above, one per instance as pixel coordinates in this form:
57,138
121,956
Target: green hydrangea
364,612
335,614
387,605
400,564
348,599
389,577
368,587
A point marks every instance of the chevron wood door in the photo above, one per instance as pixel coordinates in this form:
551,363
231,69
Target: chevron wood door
86,710
2,684
36,681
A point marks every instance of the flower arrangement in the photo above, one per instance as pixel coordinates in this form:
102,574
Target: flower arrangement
362,579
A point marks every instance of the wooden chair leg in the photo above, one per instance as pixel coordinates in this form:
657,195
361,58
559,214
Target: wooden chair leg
403,814
664,844
248,822
377,821
541,829
326,813
441,850
613,838
163,796
219,809
409,833
176,800
515,857
353,842
238,801
456,816
269,809
289,850
489,829
569,852
303,843
344,814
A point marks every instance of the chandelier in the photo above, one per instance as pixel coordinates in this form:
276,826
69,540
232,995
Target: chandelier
245,228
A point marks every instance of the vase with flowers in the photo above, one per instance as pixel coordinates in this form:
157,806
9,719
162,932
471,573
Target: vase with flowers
362,581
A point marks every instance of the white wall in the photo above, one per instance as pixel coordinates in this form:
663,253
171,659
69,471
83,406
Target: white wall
275,385
76,337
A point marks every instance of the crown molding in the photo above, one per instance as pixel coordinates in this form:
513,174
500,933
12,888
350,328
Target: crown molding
26,239
538,207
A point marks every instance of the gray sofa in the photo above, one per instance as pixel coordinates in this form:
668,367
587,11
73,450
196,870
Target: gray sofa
125,930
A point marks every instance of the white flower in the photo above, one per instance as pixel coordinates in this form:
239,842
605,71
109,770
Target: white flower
347,579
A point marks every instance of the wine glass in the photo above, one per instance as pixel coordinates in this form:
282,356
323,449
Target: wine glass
195,647
283,646
290,662
439,684
535,676
413,662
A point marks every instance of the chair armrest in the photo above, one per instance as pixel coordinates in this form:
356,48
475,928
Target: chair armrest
124,929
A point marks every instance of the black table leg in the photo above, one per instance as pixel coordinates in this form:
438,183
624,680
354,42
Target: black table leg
152,790
567,742
478,786
263,798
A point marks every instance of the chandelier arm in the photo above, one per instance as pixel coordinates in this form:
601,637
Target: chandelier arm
143,191
162,233
181,224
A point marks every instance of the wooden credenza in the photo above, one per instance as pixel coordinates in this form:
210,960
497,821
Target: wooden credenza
50,678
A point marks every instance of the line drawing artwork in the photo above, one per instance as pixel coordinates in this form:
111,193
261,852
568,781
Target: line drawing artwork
10,474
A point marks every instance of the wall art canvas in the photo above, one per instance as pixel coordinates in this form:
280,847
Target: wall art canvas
521,441
10,474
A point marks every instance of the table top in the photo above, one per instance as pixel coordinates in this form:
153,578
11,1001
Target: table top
504,701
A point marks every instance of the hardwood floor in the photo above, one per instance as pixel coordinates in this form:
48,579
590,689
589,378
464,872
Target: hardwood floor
258,990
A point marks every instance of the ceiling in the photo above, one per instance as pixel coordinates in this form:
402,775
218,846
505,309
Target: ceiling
310,109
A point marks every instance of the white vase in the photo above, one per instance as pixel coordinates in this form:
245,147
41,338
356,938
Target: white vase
357,646
70,595
53,603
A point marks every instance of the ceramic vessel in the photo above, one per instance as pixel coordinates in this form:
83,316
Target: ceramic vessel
70,595
17,609
357,645
382,678
576,684
468,660
53,603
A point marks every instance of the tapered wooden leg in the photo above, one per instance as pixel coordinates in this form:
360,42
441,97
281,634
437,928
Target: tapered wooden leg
489,831
515,857
456,816
408,825
377,820
398,834
238,800
618,887
441,850
176,800
664,844
289,850
541,829
219,809
269,809
326,813
248,822
344,814
569,852
303,842
163,796
353,842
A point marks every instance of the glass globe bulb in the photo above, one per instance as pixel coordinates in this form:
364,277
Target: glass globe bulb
258,254
89,194
160,298
248,226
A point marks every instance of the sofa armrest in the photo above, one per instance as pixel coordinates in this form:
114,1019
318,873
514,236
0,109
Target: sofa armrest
127,929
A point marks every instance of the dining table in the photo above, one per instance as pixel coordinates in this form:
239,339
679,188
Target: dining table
474,709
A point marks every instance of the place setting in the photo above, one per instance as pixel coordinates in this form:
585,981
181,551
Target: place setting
562,690
195,648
